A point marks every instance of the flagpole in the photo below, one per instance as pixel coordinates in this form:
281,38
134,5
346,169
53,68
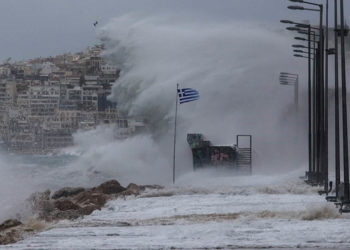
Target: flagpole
177,90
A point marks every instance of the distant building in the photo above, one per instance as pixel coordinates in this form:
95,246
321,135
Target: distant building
127,127
45,100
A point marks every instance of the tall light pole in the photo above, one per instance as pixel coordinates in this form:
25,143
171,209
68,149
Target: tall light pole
320,107
344,104
310,144
336,101
309,100
310,133
326,109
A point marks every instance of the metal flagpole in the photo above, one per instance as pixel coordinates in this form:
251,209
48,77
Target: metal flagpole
177,90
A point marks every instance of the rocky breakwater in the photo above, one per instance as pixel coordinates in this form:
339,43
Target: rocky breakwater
67,203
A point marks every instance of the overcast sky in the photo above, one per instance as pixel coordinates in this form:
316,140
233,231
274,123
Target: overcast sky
33,28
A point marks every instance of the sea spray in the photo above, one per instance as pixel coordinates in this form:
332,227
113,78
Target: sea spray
235,68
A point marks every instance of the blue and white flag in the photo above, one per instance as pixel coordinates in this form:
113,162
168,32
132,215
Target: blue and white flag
187,95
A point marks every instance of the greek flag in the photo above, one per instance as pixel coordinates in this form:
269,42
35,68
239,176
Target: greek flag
187,95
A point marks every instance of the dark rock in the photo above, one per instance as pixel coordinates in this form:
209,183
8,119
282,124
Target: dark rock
64,205
71,214
65,215
67,192
91,197
88,209
133,186
9,237
110,187
9,223
131,189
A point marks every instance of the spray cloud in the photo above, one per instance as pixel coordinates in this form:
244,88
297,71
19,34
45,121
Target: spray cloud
233,65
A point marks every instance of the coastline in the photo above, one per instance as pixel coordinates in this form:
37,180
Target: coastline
68,203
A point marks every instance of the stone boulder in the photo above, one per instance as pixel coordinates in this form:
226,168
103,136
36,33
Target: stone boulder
9,223
67,192
91,197
65,204
131,189
88,209
9,237
110,187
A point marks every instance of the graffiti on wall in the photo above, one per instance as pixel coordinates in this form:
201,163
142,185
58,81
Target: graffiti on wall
206,155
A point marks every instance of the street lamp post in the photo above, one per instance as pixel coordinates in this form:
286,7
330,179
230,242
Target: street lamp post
311,109
320,107
314,170
310,97
336,97
321,72
326,109
309,101
344,104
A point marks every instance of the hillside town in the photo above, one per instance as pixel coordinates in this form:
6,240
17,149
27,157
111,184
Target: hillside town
44,101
